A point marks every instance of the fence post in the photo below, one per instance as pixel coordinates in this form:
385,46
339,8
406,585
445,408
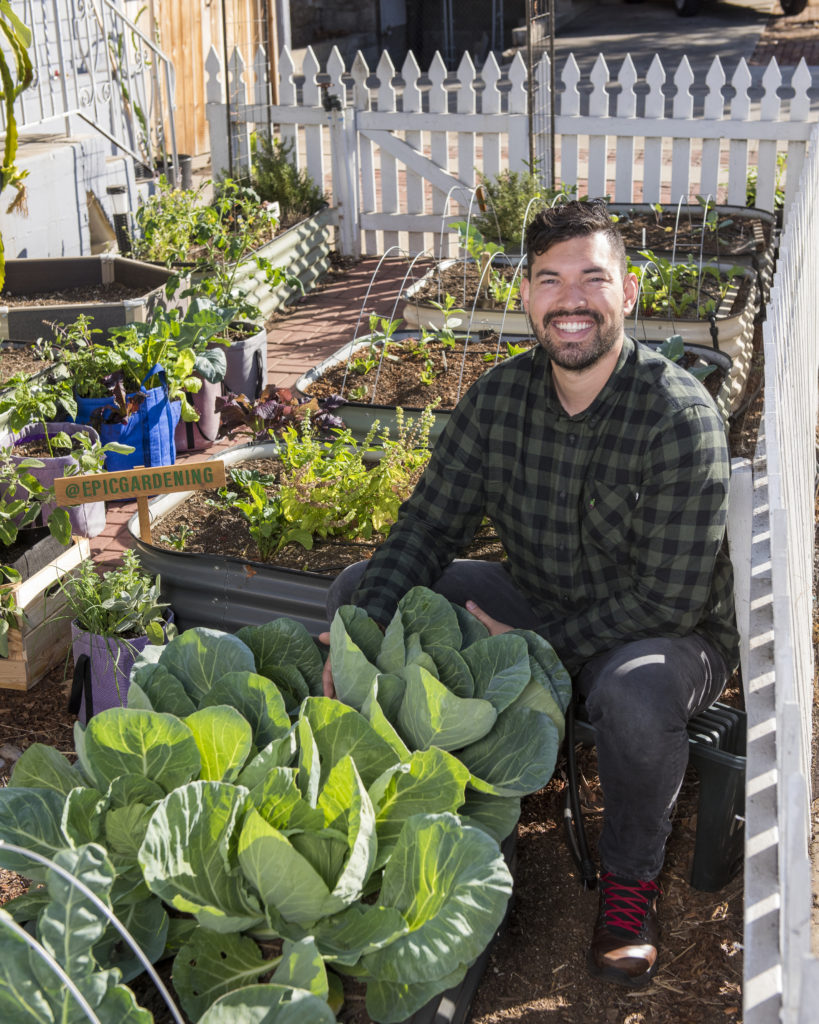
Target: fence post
215,110
344,162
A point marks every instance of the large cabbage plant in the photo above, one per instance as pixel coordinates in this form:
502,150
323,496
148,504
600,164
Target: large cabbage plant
230,805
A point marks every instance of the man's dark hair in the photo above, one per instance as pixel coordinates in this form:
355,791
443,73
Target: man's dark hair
573,219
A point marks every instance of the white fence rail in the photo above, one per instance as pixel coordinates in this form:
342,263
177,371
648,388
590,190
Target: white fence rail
400,151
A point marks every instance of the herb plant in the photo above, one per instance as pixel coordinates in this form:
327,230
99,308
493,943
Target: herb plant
122,602
341,489
509,197
278,179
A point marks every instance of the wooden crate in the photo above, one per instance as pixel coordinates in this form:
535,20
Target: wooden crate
44,638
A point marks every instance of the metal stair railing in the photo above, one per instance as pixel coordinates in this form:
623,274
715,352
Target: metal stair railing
93,62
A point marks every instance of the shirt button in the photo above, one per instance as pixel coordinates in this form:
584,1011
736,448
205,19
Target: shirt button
562,495
572,438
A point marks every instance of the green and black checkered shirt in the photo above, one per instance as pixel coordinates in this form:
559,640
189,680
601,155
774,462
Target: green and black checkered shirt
612,519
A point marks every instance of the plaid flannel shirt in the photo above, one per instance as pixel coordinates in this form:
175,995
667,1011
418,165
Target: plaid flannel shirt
612,520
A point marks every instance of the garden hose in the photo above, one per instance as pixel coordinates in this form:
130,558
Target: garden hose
572,813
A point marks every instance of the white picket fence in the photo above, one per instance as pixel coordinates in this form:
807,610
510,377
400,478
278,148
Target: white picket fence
781,975
400,155
399,152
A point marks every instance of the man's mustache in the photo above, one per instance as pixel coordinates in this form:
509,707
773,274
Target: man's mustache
562,314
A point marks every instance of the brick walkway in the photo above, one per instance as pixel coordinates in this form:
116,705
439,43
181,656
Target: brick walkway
790,39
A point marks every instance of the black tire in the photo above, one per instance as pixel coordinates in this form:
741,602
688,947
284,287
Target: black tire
688,8
791,7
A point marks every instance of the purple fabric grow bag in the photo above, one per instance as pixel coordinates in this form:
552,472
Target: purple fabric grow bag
86,520
102,670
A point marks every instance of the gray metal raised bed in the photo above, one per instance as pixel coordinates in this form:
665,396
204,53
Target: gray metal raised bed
32,277
732,320
224,592
303,250
360,416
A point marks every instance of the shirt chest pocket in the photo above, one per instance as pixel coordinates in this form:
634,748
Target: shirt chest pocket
607,518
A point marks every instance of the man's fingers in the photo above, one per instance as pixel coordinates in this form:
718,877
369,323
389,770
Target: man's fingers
327,684
324,638
491,624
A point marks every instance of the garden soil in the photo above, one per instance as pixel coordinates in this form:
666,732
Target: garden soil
536,971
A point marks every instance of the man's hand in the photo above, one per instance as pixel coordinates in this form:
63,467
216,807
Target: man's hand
491,624
327,674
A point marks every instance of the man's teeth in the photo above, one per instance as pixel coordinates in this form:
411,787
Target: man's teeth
572,326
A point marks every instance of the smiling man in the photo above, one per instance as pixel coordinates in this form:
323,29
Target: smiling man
604,469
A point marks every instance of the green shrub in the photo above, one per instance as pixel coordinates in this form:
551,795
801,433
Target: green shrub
277,179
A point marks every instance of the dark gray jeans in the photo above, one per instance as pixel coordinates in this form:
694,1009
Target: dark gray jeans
639,698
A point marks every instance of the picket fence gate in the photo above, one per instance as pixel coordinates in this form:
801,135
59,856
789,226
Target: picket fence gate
399,153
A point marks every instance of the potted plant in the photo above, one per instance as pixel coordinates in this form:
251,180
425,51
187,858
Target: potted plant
114,615
48,450
135,389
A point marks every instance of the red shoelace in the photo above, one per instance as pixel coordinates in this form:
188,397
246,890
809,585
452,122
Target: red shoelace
625,904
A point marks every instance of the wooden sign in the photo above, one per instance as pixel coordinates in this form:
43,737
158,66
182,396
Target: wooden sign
140,483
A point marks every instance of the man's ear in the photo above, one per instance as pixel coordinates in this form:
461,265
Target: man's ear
631,286
524,291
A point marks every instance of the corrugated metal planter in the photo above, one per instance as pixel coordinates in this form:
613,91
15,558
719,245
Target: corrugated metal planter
360,416
732,316
758,252
733,328
224,592
302,250
33,276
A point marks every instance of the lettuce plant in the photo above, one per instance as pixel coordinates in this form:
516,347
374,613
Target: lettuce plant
235,805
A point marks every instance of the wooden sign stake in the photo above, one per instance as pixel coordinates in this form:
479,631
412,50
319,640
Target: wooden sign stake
140,483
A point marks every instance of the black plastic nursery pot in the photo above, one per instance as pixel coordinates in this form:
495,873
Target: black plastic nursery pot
33,277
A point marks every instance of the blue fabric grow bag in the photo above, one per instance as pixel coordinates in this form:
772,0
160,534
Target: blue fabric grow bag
150,429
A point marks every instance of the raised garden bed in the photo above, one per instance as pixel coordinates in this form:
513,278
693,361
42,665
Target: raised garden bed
44,634
731,331
110,288
219,579
414,374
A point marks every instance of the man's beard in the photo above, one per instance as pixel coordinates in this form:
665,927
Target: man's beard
577,356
